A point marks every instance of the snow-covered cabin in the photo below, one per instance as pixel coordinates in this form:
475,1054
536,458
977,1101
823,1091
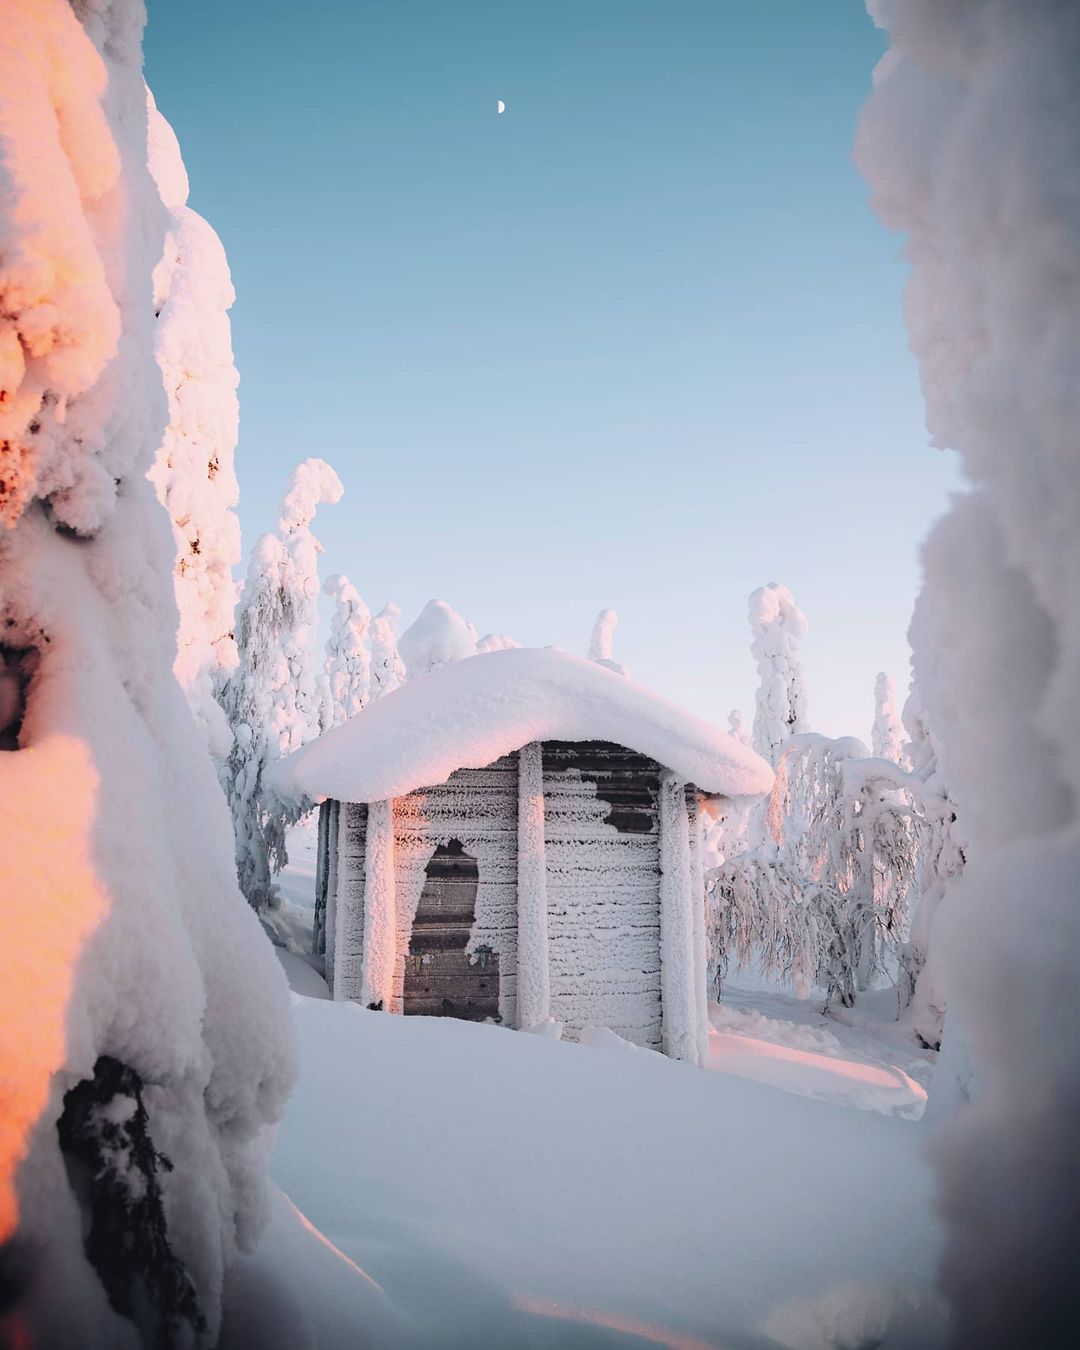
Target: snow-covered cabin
517,835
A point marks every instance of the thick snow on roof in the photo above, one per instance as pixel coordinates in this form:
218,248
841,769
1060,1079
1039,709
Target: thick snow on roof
468,713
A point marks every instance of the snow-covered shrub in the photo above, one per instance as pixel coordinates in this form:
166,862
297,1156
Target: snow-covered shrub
438,636
777,627
193,471
128,949
969,141
347,667
273,699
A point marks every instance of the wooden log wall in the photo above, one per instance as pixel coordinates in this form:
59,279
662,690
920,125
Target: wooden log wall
603,884
478,808
601,845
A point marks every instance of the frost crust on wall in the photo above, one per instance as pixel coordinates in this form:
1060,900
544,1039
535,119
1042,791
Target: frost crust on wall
680,974
533,957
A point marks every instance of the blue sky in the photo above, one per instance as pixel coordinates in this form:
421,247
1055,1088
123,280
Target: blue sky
635,343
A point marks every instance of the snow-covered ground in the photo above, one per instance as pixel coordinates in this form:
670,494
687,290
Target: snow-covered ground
507,1189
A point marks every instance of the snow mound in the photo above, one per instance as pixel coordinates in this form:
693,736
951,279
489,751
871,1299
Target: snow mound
469,713
561,1197
440,635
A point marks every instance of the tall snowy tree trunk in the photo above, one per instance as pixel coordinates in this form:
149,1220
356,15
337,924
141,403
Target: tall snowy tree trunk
533,969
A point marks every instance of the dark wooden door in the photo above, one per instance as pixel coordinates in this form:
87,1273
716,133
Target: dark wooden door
441,978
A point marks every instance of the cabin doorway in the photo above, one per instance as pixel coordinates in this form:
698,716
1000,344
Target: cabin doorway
441,978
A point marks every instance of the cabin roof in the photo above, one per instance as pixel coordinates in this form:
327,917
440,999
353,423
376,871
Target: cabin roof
468,713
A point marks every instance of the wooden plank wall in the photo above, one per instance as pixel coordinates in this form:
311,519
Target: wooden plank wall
603,884
478,807
603,880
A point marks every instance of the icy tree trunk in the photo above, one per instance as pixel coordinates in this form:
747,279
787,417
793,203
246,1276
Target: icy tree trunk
380,909
533,971
678,965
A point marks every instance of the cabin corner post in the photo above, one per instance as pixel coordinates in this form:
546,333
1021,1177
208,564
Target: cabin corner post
701,945
678,967
380,909
533,973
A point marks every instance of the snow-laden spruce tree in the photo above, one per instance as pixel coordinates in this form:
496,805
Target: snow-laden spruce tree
436,637
969,141
602,641
387,667
145,1042
887,735
777,628
347,668
273,699
193,470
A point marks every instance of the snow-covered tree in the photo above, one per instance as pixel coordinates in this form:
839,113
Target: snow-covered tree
737,727
777,627
969,143
887,736
137,1098
387,667
273,700
193,470
438,636
923,987
496,642
348,660
602,641
825,899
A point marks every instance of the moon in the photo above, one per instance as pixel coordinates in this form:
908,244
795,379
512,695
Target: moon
500,106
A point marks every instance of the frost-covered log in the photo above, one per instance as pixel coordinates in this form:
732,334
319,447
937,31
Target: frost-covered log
142,1013
970,144
678,969
533,974
380,908
193,470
